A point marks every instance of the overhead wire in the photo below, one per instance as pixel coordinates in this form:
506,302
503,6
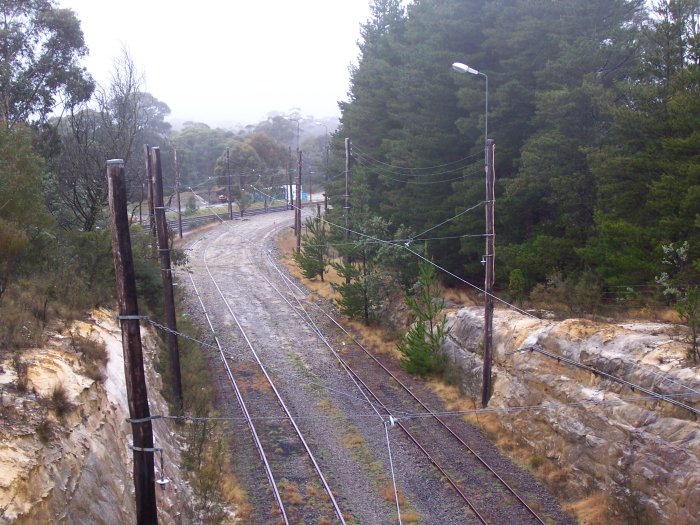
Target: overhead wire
358,150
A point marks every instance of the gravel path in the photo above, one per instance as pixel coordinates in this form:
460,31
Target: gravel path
345,433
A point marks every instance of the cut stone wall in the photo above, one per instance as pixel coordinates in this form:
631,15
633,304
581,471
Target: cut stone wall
606,436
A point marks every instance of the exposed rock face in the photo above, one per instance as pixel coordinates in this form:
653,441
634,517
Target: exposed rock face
609,439
83,472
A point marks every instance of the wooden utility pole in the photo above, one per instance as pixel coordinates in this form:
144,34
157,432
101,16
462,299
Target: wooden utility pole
136,393
228,175
346,207
166,274
149,190
297,212
289,175
489,273
141,206
177,193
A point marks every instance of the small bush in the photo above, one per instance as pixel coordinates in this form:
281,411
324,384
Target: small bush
44,431
60,403
535,462
94,356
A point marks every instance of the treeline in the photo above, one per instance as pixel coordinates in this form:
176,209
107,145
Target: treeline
595,112
58,127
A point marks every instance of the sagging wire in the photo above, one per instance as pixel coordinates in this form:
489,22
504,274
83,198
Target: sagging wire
422,415
415,237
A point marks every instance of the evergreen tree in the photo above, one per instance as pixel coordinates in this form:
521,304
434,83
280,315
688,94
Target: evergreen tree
421,345
312,259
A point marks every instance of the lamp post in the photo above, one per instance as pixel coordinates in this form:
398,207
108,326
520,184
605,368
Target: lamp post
463,68
489,257
228,175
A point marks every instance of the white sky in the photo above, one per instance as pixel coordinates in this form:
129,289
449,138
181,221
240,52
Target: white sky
233,61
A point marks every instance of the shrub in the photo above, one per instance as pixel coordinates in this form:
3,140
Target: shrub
94,356
44,431
59,402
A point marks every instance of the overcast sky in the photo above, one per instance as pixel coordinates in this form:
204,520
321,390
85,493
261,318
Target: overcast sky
228,62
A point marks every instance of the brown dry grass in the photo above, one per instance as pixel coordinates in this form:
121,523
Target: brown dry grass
291,492
386,491
459,296
593,510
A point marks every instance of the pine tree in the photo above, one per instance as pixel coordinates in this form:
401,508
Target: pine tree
422,344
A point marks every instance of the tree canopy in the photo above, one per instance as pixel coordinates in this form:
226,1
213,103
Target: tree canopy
594,110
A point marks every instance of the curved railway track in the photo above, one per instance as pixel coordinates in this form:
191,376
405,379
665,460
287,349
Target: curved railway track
490,489
285,454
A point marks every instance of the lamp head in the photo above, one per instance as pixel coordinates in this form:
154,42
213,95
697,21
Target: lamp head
463,68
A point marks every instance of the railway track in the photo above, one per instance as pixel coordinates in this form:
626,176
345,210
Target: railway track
425,429
292,470
472,484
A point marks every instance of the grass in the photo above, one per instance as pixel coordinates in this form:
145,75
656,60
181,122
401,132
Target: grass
93,353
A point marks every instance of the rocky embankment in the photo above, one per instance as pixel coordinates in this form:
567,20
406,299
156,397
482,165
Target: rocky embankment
77,467
603,437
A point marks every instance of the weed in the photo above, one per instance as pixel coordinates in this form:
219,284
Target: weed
536,461
93,354
59,402
44,431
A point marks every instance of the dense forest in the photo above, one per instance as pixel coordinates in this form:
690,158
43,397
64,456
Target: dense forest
594,108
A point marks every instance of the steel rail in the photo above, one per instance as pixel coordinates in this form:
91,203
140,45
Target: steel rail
244,408
378,402
280,400
410,393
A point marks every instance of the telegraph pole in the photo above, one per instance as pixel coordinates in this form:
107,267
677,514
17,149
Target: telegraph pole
228,174
177,193
136,393
166,274
489,277
149,188
346,207
297,212
289,175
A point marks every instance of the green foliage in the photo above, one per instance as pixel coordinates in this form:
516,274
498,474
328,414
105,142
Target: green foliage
191,205
575,294
421,345
680,285
42,46
13,243
517,285
360,299
312,259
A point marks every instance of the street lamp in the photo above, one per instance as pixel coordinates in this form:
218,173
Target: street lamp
463,68
489,258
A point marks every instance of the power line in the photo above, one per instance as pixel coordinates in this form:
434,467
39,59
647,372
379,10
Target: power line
446,221
360,153
417,415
